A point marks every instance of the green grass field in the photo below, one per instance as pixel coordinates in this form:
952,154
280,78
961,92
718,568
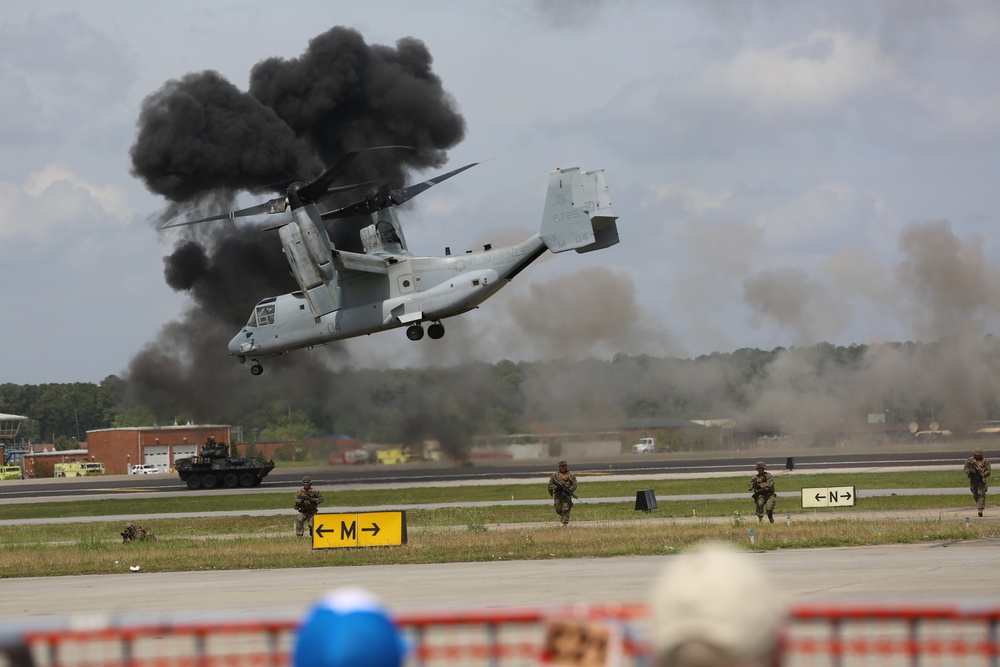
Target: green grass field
475,533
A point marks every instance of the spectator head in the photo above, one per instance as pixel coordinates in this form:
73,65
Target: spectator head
349,628
714,607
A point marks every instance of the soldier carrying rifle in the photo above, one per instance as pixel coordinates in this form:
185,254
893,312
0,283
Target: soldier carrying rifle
764,497
977,469
562,488
307,501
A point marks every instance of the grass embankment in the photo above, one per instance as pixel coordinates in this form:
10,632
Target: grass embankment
472,533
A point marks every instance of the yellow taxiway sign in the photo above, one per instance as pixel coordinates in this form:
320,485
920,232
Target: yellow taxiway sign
359,529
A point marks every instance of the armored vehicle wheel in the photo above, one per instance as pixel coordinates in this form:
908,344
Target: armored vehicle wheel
209,481
247,479
256,481
194,482
230,480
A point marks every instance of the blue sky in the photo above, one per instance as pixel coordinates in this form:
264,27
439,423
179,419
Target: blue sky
785,172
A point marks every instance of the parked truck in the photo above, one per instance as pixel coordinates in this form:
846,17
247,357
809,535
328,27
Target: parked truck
11,472
644,446
82,469
396,455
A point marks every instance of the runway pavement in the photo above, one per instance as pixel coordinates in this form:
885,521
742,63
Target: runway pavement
967,572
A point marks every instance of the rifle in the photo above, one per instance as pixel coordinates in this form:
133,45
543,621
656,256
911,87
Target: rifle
563,487
978,472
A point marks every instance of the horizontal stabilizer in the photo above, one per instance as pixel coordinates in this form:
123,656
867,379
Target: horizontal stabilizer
604,237
578,214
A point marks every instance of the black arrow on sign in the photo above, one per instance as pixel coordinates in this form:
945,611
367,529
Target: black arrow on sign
374,530
847,495
319,531
819,497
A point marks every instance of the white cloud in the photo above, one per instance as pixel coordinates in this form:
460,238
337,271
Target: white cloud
439,205
55,198
812,75
826,215
693,199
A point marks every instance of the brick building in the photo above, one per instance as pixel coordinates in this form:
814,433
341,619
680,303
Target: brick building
119,448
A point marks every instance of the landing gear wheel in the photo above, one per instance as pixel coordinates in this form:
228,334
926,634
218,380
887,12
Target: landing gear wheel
194,482
256,368
435,330
230,481
414,332
209,481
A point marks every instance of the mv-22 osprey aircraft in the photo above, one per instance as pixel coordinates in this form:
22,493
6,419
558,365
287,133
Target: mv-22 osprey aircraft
346,294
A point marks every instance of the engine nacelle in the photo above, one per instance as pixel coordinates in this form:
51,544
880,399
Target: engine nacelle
306,272
317,282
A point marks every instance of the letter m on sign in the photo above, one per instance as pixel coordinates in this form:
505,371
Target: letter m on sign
348,532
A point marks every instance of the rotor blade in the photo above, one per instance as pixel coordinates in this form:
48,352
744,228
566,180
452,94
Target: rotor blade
375,200
276,205
316,190
352,186
395,197
400,195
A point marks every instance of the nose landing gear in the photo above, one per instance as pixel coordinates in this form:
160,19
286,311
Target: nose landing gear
256,368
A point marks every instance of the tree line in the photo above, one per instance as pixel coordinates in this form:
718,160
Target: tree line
822,387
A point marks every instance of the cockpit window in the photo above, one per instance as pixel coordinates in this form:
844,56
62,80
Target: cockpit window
262,315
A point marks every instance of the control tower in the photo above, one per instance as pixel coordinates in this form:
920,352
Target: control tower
9,426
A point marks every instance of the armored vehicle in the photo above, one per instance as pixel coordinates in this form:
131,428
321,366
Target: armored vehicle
214,467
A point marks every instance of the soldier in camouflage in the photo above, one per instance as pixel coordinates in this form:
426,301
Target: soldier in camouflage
562,486
764,497
307,501
977,469
131,532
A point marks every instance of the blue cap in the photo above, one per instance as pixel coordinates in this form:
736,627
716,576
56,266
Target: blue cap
349,628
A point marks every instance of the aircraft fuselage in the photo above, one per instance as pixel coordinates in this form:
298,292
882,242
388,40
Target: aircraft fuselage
411,290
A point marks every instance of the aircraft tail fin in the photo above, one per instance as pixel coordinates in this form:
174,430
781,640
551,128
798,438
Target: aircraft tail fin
578,213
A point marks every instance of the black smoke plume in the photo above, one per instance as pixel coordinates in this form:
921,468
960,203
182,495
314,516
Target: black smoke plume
201,141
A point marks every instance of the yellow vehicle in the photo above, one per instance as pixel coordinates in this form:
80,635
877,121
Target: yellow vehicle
10,472
393,456
84,469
